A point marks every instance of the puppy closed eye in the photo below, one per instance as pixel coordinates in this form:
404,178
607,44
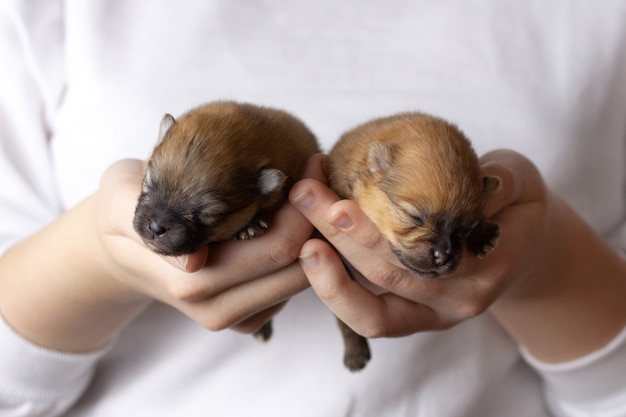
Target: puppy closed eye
416,217
418,220
212,212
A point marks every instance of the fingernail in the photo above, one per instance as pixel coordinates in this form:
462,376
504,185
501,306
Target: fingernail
182,261
304,200
310,259
341,221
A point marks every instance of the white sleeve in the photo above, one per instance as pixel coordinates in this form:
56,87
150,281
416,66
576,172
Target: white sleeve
33,381
31,52
39,382
591,386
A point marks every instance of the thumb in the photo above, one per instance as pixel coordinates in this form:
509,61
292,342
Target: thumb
191,262
520,180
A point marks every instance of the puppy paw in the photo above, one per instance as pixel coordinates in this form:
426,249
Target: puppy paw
483,239
357,354
256,227
264,333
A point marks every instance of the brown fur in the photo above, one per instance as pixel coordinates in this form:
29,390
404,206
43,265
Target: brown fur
219,172
418,179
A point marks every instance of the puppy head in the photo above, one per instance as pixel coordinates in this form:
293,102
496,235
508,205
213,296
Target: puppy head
427,193
196,191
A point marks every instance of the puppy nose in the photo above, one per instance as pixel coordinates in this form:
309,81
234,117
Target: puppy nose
156,229
440,257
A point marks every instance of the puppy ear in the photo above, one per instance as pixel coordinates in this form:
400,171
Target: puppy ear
271,180
379,158
490,185
166,123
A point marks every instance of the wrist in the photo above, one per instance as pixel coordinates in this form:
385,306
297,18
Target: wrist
571,302
56,290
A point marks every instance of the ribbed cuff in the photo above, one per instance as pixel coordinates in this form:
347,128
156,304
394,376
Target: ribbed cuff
594,385
31,373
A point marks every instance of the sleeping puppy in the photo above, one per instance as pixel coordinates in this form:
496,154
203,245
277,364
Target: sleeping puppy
219,172
419,181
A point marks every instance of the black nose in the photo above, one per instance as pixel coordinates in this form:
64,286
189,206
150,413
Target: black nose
156,229
441,250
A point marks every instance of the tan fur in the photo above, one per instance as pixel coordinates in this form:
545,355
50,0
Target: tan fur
220,171
207,171
415,176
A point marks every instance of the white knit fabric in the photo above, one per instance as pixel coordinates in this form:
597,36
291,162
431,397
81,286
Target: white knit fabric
84,83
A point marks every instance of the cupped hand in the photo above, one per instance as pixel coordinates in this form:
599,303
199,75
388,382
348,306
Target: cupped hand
232,284
390,301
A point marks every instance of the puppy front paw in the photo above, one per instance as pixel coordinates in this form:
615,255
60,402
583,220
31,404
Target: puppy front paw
483,239
256,227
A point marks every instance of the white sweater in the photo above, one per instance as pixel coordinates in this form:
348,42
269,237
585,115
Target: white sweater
84,83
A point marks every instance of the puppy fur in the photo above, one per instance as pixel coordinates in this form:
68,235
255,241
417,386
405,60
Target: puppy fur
220,171
419,180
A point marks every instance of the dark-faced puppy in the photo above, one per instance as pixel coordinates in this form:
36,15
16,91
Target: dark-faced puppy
419,180
219,172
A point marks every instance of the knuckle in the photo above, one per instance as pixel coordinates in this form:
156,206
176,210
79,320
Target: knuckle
213,316
444,324
329,291
470,308
285,251
246,328
186,291
371,240
432,290
251,325
217,323
374,329
386,275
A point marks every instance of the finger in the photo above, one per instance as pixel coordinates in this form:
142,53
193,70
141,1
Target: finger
282,252
360,243
336,289
314,169
191,262
520,180
349,230
363,311
314,200
125,177
234,262
238,303
479,282
356,228
123,180
258,320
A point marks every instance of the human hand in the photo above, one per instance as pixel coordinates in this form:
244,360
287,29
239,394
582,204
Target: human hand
392,301
232,284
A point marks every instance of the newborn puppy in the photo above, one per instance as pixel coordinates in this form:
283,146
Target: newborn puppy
219,172
419,180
